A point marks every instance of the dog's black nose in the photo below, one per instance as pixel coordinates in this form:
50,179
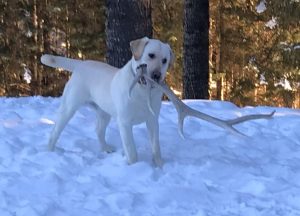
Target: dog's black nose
156,76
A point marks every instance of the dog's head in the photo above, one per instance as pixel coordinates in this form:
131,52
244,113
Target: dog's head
156,55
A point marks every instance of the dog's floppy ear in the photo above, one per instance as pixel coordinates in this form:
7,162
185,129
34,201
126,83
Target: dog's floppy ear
137,47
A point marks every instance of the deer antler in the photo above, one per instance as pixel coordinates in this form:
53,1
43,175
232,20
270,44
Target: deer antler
183,111
140,77
140,72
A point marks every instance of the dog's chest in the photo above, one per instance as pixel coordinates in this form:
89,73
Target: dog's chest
134,108
138,111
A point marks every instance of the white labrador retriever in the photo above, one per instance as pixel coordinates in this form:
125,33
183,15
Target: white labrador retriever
107,88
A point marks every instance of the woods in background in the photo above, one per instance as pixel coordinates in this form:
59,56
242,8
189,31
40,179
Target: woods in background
30,28
254,50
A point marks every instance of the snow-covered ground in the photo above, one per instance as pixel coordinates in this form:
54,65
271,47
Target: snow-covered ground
210,173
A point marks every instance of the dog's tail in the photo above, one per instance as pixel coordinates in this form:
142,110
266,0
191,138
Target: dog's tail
60,62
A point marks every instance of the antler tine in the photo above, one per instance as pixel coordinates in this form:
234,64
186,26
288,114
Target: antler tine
141,71
134,82
184,111
250,117
219,122
148,86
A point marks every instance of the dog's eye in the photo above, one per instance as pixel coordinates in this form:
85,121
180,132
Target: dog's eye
151,55
164,61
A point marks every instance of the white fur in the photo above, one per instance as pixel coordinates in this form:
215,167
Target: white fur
107,88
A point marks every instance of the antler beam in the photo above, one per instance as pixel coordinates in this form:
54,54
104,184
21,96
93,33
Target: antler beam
140,75
183,111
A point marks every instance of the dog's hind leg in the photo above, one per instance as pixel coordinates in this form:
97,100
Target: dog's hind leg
72,99
63,118
103,120
64,115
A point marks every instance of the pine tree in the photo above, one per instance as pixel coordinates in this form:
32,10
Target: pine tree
254,52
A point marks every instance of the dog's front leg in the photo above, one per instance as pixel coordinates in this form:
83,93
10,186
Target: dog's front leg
128,142
153,130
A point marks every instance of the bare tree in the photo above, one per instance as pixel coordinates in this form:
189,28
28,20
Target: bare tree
195,66
126,20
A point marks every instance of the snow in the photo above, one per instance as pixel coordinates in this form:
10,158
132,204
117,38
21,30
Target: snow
209,173
261,7
272,23
296,47
27,75
285,84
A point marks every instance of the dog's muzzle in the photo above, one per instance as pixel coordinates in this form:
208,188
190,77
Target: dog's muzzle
141,76
156,75
141,71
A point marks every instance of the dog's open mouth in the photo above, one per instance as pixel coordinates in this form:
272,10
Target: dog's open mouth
142,78
141,72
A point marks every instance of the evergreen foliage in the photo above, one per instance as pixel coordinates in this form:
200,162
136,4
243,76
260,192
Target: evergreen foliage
254,45
259,59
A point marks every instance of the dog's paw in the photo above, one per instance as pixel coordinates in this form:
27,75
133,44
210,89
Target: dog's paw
51,148
108,149
158,162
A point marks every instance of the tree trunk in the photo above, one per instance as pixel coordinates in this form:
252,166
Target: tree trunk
36,87
127,20
195,48
220,68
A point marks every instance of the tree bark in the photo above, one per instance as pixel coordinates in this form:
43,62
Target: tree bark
36,87
126,20
195,48
220,68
